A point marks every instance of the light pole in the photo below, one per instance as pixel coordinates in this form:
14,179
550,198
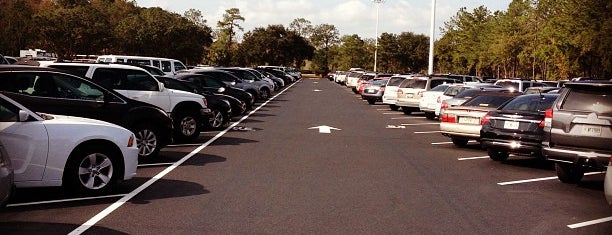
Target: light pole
431,36
377,2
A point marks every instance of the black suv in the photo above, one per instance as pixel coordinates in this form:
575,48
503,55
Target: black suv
578,129
53,91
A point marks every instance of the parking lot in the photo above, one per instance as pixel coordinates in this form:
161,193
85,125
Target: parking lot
316,158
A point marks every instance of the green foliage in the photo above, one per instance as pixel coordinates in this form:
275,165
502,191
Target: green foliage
275,46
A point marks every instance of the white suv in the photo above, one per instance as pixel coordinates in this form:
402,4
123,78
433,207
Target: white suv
188,110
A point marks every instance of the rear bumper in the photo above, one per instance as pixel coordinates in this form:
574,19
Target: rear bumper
583,157
513,146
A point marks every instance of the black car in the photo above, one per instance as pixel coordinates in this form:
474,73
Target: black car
280,74
516,127
218,104
214,85
54,91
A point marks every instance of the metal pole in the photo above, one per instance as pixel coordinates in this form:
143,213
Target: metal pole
377,2
431,36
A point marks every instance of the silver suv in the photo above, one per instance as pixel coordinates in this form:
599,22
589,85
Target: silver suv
578,130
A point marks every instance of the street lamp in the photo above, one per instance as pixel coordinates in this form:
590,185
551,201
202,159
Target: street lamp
431,37
377,2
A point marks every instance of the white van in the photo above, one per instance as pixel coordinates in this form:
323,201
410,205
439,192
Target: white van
169,66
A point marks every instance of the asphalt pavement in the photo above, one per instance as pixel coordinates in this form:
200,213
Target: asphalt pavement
316,159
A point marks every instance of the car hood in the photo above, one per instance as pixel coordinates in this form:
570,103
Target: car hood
63,119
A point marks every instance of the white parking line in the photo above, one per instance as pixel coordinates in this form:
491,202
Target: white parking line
541,179
382,109
183,145
418,124
63,200
589,223
426,132
407,118
124,199
156,164
394,113
472,158
450,142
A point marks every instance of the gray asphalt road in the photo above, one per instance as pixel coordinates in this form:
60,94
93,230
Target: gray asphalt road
383,172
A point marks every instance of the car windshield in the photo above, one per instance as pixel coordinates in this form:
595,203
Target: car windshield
442,87
454,90
379,82
491,101
531,103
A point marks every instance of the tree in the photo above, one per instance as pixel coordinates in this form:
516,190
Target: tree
16,26
302,27
323,36
226,32
275,46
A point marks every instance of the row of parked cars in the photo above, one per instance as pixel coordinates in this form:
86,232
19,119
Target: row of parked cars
569,124
85,125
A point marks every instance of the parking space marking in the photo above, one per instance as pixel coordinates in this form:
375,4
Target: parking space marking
64,200
91,222
541,179
183,145
471,158
450,142
407,118
382,109
156,164
418,124
589,223
394,113
426,132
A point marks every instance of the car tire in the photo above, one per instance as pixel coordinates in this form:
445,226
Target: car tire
371,101
147,140
218,120
569,173
393,107
187,126
498,156
459,142
91,170
406,110
430,115
265,94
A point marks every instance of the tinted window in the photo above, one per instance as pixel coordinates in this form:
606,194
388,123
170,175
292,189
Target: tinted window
211,82
69,87
453,91
587,100
532,103
179,66
379,82
414,83
8,112
487,101
140,80
78,70
166,66
440,88
508,84
395,81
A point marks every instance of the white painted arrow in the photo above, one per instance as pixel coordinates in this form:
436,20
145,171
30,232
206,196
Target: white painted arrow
325,129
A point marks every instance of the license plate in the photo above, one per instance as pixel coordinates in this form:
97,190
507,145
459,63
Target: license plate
469,120
370,91
409,95
511,125
591,130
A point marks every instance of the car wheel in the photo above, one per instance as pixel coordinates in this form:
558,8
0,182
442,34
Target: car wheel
393,107
265,94
371,101
459,142
496,155
406,110
217,120
147,140
187,126
569,173
430,116
91,170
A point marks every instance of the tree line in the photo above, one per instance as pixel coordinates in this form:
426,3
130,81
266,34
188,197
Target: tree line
545,39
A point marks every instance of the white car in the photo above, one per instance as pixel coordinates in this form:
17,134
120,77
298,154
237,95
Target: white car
84,155
608,183
431,101
390,95
410,92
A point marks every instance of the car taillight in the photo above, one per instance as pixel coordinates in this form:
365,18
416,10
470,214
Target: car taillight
399,92
548,114
439,99
205,102
131,141
382,89
420,94
444,105
485,119
448,118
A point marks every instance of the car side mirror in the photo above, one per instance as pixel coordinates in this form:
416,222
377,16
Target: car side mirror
221,89
23,116
233,83
161,86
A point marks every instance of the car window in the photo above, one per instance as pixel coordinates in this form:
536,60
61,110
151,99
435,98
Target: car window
490,101
166,66
379,82
179,66
508,84
438,87
414,83
69,87
395,81
18,82
77,70
108,78
211,82
155,63
453,91
140,80
532,103
8,111
599,102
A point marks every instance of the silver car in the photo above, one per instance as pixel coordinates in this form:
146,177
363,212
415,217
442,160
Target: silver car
7,176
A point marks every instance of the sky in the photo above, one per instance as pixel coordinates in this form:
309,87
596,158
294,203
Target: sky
348,16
